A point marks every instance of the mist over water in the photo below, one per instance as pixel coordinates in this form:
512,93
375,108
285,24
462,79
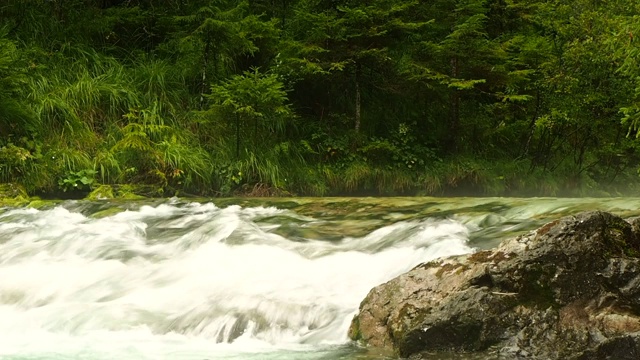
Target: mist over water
189,280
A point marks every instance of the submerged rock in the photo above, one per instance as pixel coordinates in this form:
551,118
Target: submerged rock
569,290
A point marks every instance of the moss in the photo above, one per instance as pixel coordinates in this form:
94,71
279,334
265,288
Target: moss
535,292
620,235
132,192
490,256
449,267
125,191
12,190
14,202
101,193
130,196
107,212
546,227
39,204
354,330
412,313
618,238
14,195
429,265
631,252
481,256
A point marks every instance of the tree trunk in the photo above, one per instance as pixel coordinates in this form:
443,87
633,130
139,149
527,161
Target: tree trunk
531,129
358,100
454,116
203,85
58,12
255,129
284,14
237,136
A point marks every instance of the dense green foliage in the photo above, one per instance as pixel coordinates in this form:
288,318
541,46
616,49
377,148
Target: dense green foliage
321,97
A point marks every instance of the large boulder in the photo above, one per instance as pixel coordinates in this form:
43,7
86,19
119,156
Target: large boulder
569,290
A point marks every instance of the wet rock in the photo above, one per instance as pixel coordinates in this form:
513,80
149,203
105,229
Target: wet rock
124,191
102,192
569,290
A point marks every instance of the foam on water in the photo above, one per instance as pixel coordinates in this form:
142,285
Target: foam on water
192,281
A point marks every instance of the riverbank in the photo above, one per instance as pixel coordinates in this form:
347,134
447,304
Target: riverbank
446,181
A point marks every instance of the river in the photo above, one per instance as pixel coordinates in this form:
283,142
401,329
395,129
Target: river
229,278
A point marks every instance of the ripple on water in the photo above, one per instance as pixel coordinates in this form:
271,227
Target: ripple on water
267,279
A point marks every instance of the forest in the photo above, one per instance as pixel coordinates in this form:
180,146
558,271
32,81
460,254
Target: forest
321,97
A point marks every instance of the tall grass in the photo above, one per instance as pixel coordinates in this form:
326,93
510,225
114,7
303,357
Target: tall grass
362,178
92,112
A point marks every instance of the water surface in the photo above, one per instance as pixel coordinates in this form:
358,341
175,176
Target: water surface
230,279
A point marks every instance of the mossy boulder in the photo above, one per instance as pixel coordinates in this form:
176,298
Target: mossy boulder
102,192
568,290
136,192
12,194
12,190
124,191
37,203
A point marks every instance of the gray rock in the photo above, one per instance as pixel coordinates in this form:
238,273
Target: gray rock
569,290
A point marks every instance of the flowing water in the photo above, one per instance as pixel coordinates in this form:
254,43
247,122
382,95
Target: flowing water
229,279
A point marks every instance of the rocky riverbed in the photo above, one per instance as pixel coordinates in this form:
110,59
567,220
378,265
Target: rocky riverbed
568,290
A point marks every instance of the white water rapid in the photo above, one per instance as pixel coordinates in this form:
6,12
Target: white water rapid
194,281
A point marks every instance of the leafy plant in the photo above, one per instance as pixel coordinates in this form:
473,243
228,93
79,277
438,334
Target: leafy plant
77,180
256,102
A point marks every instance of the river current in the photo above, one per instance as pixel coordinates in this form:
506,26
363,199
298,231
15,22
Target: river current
229,279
